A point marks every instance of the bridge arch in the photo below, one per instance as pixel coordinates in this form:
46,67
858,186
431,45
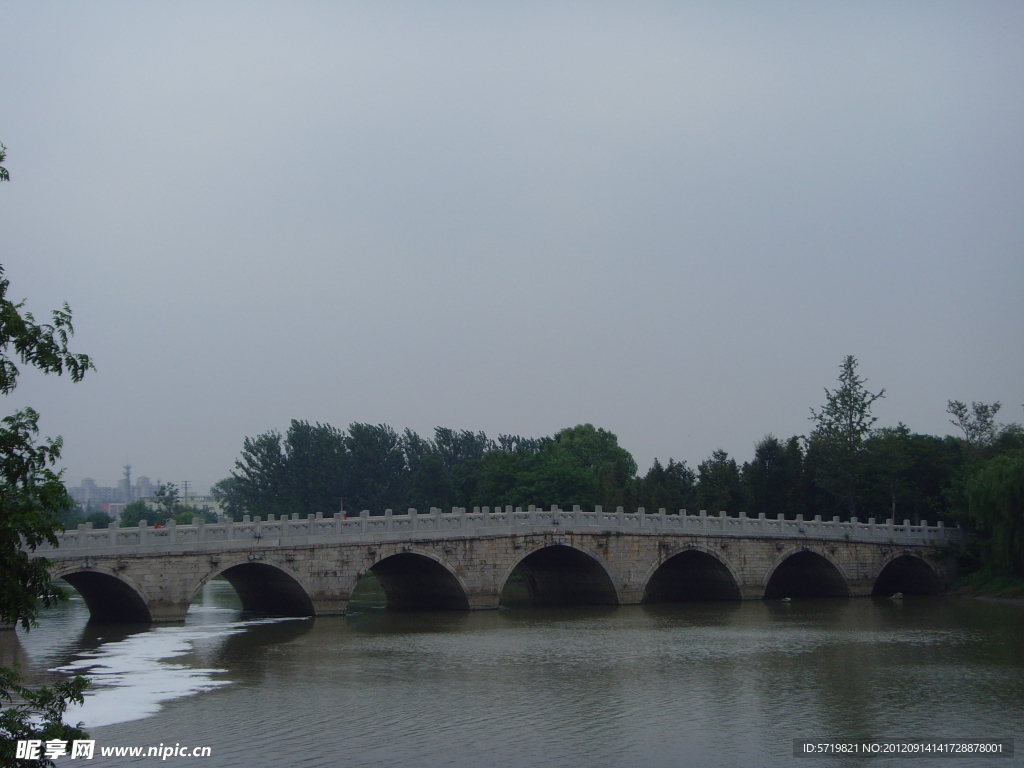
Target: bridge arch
263,587
417,580
692,573
805,572
111,597
560,574
909,573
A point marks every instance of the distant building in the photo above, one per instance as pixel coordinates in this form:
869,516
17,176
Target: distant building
87,494
143,488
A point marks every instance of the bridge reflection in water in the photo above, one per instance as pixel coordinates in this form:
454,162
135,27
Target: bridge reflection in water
465,561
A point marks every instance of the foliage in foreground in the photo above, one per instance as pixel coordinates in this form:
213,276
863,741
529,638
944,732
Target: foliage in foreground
32,499
35,714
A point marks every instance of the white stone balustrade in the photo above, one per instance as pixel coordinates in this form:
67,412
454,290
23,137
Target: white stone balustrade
481,522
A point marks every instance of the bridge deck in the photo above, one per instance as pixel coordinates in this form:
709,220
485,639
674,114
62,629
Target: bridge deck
460,523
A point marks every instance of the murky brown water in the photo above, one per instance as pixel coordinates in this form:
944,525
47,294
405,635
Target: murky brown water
716,684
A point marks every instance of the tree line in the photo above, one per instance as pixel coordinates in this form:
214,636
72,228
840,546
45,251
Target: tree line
844,466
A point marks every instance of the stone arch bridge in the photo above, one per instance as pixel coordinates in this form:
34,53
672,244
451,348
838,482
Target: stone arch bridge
462,560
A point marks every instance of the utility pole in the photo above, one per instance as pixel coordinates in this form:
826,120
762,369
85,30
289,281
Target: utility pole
184,491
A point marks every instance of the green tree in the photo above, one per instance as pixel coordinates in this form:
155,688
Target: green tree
134,512
301,472
98,519
841,428
773,477
507,477
378,473
584,465
461,453
166,498
889,454
995,498
227,493
671,487
719,486
977,422
261,475
184,514
430,484
911,475
32,498
316,460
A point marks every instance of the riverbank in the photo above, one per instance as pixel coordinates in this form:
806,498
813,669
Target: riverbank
984,585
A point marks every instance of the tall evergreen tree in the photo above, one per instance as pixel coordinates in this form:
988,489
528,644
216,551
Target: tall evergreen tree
841,427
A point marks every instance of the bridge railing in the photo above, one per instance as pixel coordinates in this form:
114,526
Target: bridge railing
460,522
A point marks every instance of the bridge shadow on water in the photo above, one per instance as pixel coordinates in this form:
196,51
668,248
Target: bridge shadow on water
908,575
558,575
806,574
691,576
109,599
414,582
369,610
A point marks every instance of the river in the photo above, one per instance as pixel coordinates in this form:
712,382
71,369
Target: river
660,686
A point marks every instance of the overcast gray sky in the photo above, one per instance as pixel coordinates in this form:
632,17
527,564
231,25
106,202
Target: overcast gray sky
669,220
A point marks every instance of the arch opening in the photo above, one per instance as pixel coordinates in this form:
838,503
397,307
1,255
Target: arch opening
806,574
110,600
415,582
910,575
689,576
561,575
269,591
